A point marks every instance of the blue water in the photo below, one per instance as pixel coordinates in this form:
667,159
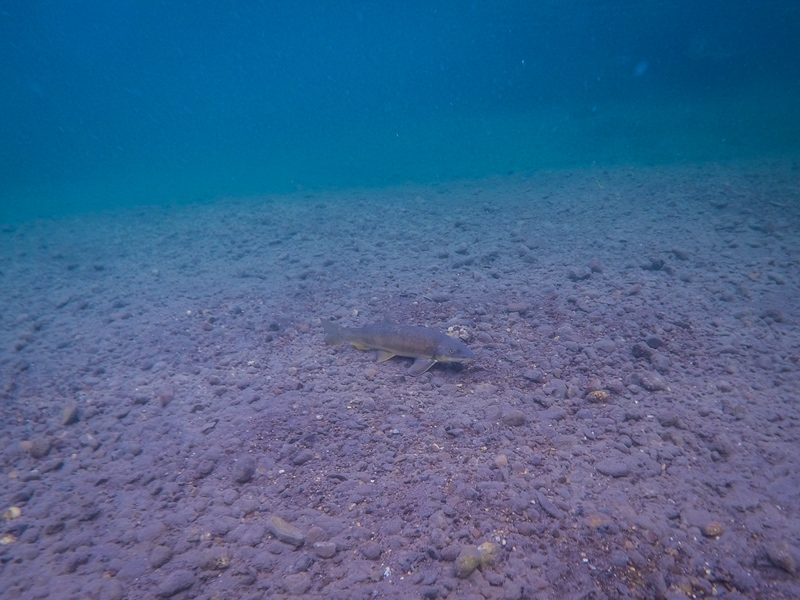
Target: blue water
141,101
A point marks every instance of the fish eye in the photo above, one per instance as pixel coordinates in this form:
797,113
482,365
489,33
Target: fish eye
452,351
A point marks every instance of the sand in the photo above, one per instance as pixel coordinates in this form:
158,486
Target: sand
174,426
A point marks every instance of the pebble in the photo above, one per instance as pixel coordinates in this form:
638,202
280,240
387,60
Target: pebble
302,457
652,382
244,469
597,396
175,582
607,345
534,375
782,556
514,418
110,589
660,362
468,560
680,253
371,550
297,584
596,266
489,553
713,529
253,535
88,440
547,506
519,307
579,273
159,556
69,414
205,468
613,468
325,549
39,447
286,532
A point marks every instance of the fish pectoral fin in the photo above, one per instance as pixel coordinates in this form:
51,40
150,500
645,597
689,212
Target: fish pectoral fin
384,355
420,366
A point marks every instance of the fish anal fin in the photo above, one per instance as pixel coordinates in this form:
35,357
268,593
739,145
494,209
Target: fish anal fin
384,355
359,346
420,366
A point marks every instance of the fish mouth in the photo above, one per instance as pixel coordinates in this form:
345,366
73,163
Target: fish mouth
456,359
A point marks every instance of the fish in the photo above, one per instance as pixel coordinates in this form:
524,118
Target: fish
425,346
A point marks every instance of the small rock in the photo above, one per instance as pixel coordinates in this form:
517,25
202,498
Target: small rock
468,560
205,468
782,556
244,469
110,589
534,375
286,532
39,447
596,266
69,414
579,274
297,584
160,556
597,396
87,439
613,468
489,553
670,418
325,549
519,307
514,418
606,345
654,342
302,457
680,253
175,582
371,550
547,506
660,362
450,553
776,277
652,382
713,529
54,464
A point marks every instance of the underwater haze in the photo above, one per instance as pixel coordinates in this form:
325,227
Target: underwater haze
599,200
147,102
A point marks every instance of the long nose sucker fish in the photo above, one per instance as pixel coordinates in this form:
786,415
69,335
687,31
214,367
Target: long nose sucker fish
425,346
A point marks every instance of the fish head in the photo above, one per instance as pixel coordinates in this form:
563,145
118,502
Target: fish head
453,351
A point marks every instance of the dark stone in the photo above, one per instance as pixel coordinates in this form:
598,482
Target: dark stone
285,532
613,468
175,582
302,457
371,550
160,556
244,469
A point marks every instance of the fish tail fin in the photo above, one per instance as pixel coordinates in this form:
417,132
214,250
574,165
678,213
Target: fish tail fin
333,333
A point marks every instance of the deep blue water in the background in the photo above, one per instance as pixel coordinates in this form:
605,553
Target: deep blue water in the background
106,103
